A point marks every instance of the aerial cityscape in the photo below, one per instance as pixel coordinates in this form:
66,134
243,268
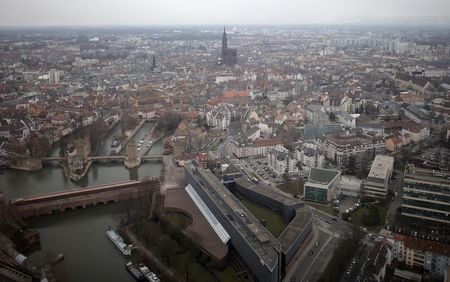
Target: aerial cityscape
149,141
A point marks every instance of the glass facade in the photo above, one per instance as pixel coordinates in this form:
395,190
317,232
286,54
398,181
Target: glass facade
316,194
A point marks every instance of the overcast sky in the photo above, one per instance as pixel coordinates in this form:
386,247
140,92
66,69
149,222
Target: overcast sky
221,12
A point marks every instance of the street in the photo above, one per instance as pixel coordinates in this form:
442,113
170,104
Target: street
330,234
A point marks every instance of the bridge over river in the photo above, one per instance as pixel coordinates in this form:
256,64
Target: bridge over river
83,197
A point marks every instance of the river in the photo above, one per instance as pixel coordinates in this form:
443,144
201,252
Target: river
80,235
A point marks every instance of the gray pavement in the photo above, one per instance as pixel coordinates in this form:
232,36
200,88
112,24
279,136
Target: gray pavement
330,234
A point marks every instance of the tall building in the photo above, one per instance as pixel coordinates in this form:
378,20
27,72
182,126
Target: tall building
426,195
377,182
228,55
54,76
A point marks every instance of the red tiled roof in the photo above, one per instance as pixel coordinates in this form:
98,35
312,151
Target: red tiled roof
424,245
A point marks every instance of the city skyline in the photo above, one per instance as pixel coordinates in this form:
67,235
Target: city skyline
201,12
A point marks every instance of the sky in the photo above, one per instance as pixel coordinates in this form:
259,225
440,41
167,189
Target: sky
221,12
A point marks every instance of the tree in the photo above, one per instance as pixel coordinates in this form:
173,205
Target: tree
351,167
128,122
38,146
97,130
285,176
371,216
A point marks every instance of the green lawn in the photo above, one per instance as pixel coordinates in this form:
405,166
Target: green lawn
274,222
325,208
228,274
180,262
358,217
187,267
175,255
294,188
177,222
198,273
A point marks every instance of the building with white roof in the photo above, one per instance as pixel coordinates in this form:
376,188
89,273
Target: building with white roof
377,182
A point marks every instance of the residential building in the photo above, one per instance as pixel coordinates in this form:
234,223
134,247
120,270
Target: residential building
428,255
257,148
394,144
281,161
342,148
417,133
309,156
316,115
219,117
346,119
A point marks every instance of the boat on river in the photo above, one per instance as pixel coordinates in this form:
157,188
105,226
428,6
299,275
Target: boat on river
150,276
118,241
134,271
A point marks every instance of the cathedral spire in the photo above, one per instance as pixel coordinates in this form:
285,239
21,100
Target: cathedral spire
224,40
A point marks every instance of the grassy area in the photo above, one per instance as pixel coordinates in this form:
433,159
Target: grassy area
186,266
294,188
360,217
197,273
177,222
228,274
325,208
176,255
274,222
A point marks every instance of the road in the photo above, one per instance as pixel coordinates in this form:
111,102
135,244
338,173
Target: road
357,269
315,258
397,199
145,143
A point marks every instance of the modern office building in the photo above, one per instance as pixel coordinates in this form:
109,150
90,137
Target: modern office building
377,182
260,250
426,195
295,235
266,196
321,185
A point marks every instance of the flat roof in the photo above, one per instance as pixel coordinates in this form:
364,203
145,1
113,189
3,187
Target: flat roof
251,230
322,175
302,218
427,175
381,166
265,190
212,220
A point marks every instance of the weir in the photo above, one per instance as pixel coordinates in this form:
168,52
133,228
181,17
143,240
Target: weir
83,197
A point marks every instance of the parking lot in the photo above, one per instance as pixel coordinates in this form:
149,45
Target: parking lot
260,168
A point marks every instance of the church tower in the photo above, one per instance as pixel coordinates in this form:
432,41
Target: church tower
228,55
224,42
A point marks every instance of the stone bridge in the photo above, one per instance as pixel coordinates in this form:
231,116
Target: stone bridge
83,197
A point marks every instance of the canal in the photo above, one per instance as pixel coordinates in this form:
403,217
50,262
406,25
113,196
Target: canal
80,235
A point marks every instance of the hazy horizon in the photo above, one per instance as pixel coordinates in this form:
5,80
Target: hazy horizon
104,13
